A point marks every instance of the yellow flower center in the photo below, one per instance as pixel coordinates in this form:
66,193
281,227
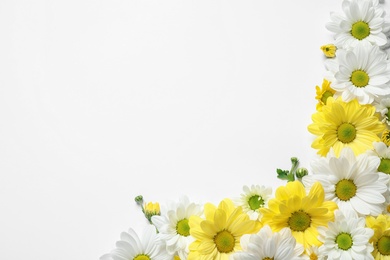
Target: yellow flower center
176,257
383,245
182,228
255,202
344,241
141,257
313,256
299,221
346,133
325,96
225,241
345,190
384,166
360,30
268,258
360,78
386,137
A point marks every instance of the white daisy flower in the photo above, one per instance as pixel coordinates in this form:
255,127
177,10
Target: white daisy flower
362,23
362,73
131,247
173,227
352,182
383,108
382,151
268,245
313,252
253,199
346,238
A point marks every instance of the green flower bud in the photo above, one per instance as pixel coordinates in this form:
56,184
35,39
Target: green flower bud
301,172
139,199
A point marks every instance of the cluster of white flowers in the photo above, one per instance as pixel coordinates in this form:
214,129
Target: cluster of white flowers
361,68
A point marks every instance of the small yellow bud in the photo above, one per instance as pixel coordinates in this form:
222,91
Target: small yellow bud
323,93
329,50
176,257
152,208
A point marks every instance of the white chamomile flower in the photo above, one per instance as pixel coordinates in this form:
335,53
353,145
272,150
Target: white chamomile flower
347,238
352,182
132,247
253,199
383,108
173,226
362,73
313,253
383,152
268,245
363,23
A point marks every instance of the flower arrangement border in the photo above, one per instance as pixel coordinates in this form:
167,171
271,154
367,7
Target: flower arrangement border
338,210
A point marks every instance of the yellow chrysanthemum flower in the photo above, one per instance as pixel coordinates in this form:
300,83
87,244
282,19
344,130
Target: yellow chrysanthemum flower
340,124
218,236
381,238
302,213
329,50
323,93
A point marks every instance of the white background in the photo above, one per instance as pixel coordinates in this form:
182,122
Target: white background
101,101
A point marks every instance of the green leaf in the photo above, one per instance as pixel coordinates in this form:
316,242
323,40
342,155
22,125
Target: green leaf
283,174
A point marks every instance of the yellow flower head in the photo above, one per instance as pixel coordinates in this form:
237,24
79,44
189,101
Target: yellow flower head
323,93
340,124
151,209
302,213
329,50
381,237
218,236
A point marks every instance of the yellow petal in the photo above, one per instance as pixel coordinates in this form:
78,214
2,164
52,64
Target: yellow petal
226,205
206,247
209,210
208,228
220,219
